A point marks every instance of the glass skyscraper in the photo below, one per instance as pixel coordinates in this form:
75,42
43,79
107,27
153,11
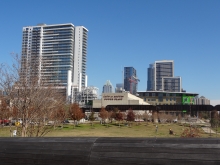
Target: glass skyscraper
56,54
161,77
130,80
107,88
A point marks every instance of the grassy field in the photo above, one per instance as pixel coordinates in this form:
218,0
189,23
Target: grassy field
98,130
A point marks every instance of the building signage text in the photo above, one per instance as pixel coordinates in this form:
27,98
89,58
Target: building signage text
113,97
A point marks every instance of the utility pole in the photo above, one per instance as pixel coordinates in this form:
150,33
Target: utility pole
190,109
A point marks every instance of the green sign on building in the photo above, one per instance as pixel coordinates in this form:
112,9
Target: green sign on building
187,99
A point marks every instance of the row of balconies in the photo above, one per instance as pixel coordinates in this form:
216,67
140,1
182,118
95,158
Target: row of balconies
58,38
58,34
57,43
58,27
58,46
57,55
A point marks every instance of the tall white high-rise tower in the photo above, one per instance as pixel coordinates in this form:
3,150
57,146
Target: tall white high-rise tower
56,54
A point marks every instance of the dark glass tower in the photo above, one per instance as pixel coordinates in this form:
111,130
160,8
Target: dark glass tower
130,80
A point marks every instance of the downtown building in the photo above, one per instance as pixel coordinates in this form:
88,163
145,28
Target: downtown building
107,88
130,80
163,88
202,101
57,55
161,77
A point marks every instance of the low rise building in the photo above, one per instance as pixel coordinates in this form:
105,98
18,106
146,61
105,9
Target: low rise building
124,98
167,98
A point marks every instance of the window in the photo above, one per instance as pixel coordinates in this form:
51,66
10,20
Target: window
153,94
171,99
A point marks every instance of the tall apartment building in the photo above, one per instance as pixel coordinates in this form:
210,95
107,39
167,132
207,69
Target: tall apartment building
130,80
107,88
56,54
161,77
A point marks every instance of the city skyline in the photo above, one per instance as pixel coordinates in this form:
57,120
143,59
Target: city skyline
135,34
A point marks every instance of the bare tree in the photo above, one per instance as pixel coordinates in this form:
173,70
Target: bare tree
124,115
59,116
113,114
163,117
103,114
75,113
31,98
138,117
109,117
130,116
169,118
92,118
119,117
146,117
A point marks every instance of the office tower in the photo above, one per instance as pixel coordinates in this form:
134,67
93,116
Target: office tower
130,80
56,54
171,84
161,77
107,88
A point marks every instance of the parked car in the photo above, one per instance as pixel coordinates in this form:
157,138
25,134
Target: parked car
66,121
5,122
50,123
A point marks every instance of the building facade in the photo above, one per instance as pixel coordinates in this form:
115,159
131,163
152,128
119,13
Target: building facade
161,77
124,98
130,80
171,84
56,54
167,98
202,101
107,88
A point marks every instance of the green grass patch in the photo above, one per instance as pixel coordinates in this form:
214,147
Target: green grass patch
113,130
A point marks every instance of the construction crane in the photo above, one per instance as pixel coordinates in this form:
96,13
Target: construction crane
134,80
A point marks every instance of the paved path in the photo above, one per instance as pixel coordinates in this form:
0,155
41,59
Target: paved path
206,125
207,130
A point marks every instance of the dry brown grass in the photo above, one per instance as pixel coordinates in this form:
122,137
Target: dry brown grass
142,130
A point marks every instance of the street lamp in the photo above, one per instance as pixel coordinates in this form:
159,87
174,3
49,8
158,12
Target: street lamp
101,101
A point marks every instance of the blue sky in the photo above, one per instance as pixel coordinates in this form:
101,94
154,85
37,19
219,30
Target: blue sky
130,33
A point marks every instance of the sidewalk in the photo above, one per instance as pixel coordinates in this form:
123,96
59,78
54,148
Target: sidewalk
205,125
207,130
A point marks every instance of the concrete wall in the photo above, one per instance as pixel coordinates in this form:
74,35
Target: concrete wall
109,151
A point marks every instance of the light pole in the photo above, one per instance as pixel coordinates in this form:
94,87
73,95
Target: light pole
101,101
